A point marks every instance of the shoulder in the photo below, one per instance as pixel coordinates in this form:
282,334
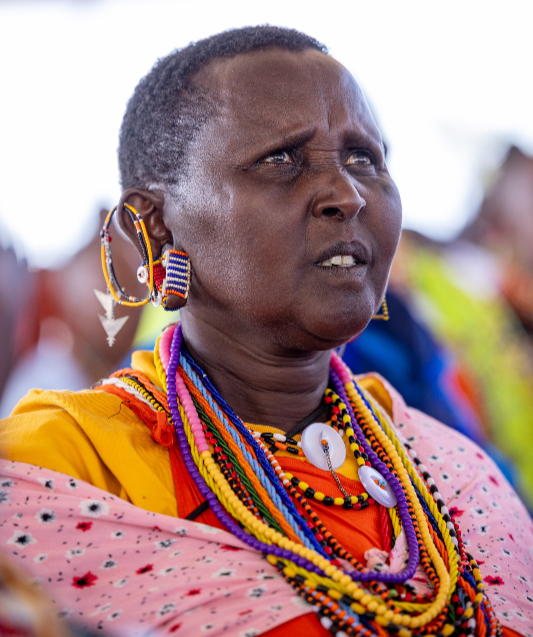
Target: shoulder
40,410
495,525
70,432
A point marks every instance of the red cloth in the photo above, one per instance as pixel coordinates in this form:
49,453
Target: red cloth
339,522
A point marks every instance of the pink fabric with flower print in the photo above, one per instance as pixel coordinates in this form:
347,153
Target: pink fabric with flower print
113,566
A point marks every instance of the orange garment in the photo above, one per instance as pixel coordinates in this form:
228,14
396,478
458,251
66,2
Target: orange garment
340,522
358,531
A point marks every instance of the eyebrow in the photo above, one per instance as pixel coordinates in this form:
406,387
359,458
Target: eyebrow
291,140
302,137
299,138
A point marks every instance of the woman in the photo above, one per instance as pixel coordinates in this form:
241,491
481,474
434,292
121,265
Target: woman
254,153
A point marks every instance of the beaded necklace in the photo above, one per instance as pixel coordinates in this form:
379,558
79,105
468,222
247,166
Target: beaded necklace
340,421
249,493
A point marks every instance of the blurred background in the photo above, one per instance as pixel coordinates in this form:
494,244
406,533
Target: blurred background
450,86
449,83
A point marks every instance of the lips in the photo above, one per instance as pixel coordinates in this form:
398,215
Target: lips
343,255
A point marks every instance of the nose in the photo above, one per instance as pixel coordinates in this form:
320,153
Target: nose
338,196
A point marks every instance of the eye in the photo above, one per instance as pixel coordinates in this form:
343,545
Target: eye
279,157
360,158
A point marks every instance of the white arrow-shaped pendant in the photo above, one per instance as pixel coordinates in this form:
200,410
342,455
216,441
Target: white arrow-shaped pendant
112,327
107,302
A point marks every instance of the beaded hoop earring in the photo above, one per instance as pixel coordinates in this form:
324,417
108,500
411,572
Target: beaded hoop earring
159,275
115,293
384,314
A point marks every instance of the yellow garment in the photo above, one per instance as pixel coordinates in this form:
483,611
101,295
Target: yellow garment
90,435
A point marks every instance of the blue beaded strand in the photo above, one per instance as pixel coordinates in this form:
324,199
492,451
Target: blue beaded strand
259,453
411,538
276,500
216,507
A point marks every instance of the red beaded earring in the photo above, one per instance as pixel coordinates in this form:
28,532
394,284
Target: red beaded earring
172,278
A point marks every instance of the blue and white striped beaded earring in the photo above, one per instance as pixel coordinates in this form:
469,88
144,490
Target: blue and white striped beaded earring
178,279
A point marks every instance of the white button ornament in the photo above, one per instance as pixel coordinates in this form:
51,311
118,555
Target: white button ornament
377,487
314,451
142,274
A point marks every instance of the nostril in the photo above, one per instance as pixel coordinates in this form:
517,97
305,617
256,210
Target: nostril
331,212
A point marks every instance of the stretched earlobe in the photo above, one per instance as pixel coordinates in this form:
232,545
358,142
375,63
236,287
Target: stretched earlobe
167,272
115,293
149,205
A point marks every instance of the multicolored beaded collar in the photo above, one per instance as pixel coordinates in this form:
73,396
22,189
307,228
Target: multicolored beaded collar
249,493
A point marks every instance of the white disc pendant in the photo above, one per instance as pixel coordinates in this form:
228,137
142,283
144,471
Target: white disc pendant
377,487
142,274
312,446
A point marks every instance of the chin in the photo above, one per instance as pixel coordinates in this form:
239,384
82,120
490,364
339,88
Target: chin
333,338
335,330
332,318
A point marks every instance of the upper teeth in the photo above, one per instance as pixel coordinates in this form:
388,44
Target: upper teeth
344,261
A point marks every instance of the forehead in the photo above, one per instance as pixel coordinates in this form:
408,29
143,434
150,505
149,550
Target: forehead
275,92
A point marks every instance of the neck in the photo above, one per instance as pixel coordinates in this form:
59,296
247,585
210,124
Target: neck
263,384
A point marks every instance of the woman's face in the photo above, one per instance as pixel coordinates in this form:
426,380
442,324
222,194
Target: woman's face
287,179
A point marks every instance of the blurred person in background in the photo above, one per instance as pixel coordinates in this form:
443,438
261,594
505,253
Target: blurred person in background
253,155
56,344
475,295
18,328
504,227
25,611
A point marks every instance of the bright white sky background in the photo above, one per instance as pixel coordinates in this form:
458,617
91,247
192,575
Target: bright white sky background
451,83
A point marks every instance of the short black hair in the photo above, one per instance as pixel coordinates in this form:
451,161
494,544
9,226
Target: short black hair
168,107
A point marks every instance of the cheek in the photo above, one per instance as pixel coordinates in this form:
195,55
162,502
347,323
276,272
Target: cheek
235,250
387,225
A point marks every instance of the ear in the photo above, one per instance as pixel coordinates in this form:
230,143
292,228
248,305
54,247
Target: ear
149,204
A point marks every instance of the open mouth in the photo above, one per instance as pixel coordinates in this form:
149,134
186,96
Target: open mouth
340,261
344,255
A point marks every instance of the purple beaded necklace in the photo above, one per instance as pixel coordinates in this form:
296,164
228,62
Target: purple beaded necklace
395,484
254,543
204,489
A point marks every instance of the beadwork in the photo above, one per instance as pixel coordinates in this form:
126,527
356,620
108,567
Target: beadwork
281,442
178,275
356,502
339,414
249,493
113,285
143,276
384,315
